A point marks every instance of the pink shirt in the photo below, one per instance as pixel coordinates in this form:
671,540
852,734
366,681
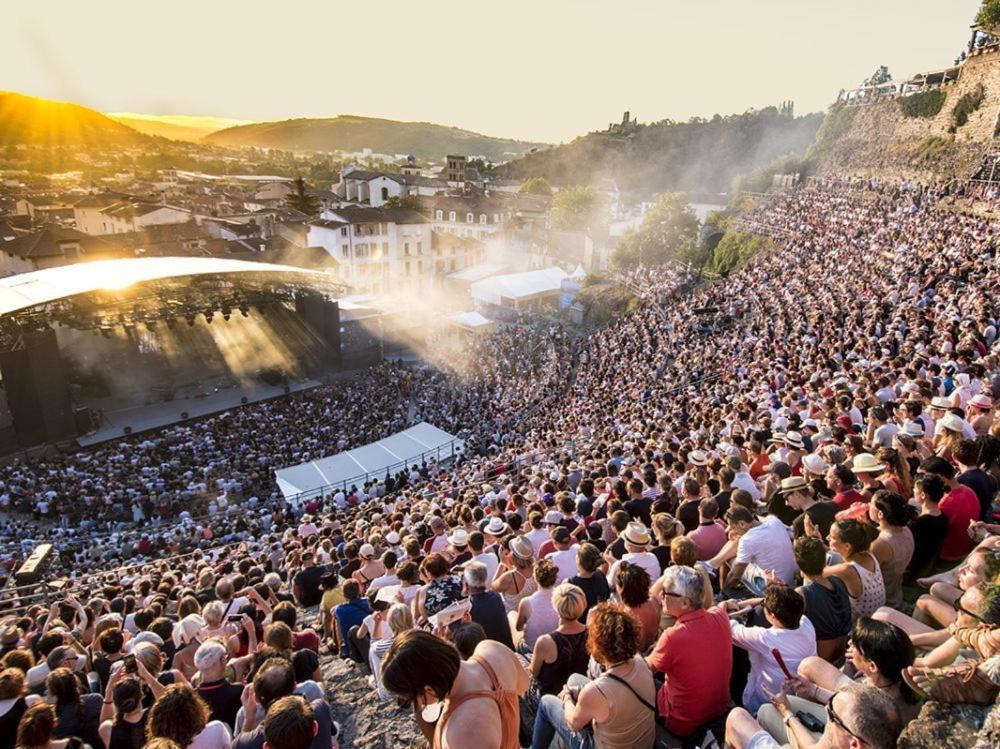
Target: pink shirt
709,538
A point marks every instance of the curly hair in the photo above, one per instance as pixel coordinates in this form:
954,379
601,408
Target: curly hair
612,633
63,689
178,714
632,582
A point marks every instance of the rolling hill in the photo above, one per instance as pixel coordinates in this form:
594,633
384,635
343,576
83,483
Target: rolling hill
28,120
352,133
175,127
698,155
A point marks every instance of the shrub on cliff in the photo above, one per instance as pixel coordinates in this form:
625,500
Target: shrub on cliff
965,106
924,104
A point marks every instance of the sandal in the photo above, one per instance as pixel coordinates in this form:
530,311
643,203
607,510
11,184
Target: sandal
965,684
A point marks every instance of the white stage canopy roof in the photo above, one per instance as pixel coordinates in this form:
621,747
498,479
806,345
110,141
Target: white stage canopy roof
403,449
518,285
43,286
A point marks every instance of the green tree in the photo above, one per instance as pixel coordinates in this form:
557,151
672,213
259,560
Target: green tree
536,186
578,208
880,76
300,199
735,248
412,202
669,232
989,16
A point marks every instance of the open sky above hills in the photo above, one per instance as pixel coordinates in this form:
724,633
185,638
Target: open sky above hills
541,71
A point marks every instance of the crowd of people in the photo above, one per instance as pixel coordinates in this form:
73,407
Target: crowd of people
779,530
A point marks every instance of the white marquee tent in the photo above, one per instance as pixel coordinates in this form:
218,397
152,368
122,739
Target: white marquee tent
509,289
374,460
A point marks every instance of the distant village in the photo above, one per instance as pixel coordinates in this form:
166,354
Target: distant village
404,227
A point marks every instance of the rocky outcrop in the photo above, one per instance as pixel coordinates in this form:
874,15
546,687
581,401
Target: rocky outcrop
944,726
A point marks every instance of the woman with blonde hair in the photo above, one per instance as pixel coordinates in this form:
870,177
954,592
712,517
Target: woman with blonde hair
399,618
564,650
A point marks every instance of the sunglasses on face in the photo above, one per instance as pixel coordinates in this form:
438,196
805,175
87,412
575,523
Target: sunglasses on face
961,609
838,721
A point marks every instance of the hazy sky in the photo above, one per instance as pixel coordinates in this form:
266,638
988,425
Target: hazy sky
534,69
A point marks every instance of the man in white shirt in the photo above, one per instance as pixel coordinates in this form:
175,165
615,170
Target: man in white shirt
764,545
489,559
637,540
564,558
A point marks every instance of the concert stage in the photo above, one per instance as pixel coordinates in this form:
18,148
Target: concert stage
96,350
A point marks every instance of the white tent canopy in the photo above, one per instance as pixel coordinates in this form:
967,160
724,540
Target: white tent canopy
403,449
518,286
472,321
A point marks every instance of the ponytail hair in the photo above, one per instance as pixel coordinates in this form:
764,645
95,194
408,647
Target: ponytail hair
896,510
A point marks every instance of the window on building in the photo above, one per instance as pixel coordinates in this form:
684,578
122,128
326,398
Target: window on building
343,231
385,193
406,249
439,215
496,218
482,218
469,218
420,247
451,215
344,250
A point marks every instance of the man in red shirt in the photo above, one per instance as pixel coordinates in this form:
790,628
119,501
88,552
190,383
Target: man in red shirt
960,505
695,655
842,480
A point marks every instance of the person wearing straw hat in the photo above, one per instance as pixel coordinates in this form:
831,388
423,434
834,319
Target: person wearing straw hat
516,577
981,413
866,468
458,547
798,495
637,541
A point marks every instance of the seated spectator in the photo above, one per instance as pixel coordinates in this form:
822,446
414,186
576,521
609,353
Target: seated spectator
790,632
879,655
618,707
763,545
564,555
929,528
111,644
304,639
694,655
960,505
222,697
589,578
428,673
515,578
127,728
864,716
632,585
859,571
400,620
563,651
710,535
77,714
180,715
637,540
442,588
349,614
893,547
828,604
487,605
14,701
273,683
535,614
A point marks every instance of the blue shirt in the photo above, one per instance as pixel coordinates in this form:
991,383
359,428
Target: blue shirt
350,614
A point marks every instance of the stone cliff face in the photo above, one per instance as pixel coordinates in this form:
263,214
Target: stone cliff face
878,139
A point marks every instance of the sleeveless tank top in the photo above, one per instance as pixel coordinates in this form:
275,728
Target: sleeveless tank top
872,590
571,658
125,735
543,618
630,724
510,716
525,587
892,571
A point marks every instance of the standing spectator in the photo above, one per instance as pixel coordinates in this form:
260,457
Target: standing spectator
590,579
564,650
487,605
